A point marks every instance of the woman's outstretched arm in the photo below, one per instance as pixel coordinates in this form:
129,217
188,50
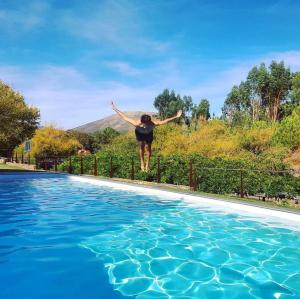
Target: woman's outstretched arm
167,120
123,116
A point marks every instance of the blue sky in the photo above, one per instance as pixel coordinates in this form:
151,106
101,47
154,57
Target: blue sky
70,58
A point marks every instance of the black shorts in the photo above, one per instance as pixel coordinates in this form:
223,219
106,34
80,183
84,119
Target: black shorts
147,138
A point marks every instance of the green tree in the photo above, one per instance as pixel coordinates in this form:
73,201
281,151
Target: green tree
270,87
289,106
262,94
85,139
237,102
18,121
201,111
168,103
288,132
103,137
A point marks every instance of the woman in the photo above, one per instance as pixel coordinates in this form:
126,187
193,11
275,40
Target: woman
144,132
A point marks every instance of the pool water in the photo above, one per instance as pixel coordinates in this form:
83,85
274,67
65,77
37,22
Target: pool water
62,238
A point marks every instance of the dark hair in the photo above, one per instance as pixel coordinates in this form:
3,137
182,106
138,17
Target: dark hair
145,118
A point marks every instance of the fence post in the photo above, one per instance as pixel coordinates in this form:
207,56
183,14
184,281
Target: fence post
55,165
70,165
191,183
22,158
16,160
46,165
195,182
95,166
242,184
36,163
158,169
110,168
81,165
132,169
28,157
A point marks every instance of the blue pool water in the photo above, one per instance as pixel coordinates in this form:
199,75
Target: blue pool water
61,238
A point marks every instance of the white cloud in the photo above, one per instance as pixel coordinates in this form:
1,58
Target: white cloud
25,17
113,24
69,98
122,67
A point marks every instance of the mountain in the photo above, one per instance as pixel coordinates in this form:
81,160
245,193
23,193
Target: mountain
114,121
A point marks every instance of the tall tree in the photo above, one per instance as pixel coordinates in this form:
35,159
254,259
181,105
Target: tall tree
201,111
18,121
168,103
237,102
270,86
294,101
262,94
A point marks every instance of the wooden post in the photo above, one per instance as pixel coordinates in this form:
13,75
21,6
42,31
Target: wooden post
28,157
95,166
70,165
55,165
110,168
158,169
22,158
16,160
191,183
242,184
132,169
46,165
81,165
195,182
36,163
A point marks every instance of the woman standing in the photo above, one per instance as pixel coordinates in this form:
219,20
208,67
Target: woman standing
144,132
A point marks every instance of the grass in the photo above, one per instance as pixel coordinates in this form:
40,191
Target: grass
10,167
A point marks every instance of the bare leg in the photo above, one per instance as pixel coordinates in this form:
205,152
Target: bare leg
142,153
148,155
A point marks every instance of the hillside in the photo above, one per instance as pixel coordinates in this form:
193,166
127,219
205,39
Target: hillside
114,121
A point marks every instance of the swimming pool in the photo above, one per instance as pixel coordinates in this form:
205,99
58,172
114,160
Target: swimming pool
67,237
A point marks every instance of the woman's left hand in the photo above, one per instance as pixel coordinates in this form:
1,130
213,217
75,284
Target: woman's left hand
179,113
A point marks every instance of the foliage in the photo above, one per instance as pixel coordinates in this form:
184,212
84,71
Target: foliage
201,111
52,142
288,132
168,103
262,94
18,121
257,138
103,137
84,139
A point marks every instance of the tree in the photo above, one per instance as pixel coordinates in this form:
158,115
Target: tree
52,142
289,106
101,138
262,94
85,139
168,103
288,132
237,102
18,121
201,111
270,87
